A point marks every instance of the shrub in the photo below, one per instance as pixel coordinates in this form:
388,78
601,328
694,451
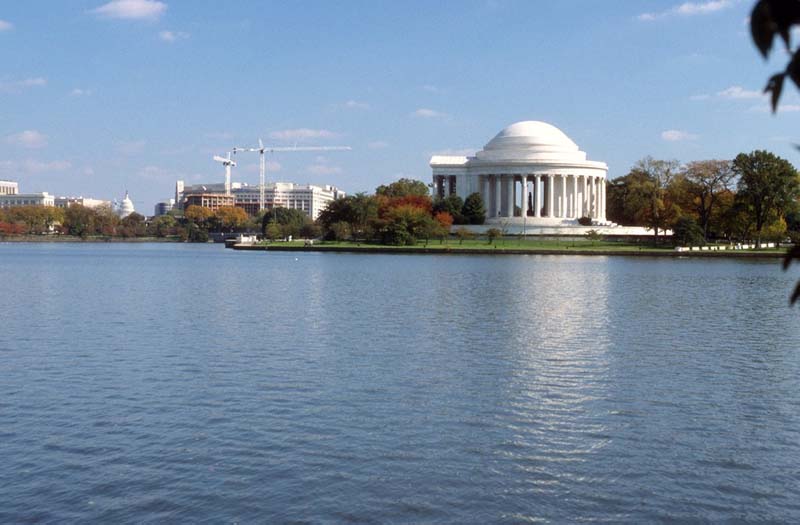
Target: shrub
585,221
686,232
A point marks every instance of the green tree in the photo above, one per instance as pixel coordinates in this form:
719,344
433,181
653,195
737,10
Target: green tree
340,231
474,211
163,226
79,221
231,218
686,232
406,224
291,221
358,211
647,193
707,180
273,231
132,225
452,204
403,188
768,186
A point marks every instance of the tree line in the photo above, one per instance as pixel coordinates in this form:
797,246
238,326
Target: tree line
400,213
754,196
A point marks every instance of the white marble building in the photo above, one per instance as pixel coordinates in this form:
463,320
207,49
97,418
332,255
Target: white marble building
530,173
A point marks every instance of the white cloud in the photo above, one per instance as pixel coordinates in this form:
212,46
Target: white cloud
15,86
131,9
428,113
130,147
5,26
10,168
676,135
79,92
302,134
172,36
378,144
738,92
688,9
354,104
29,138
324,169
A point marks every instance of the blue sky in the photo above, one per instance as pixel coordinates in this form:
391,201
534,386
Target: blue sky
97,97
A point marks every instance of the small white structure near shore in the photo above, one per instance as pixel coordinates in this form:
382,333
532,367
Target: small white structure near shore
534,180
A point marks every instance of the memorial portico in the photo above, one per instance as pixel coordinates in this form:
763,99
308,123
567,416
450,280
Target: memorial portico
532,172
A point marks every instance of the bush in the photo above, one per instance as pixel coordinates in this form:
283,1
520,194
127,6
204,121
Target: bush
585,221
464,234
492,234
339,231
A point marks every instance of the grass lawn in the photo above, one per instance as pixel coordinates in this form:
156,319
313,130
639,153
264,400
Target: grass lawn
515,244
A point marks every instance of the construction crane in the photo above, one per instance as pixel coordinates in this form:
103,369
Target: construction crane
262,167
228,163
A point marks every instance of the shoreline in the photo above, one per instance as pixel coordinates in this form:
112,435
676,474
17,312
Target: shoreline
448,250
68,238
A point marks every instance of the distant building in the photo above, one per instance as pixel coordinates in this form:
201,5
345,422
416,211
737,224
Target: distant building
66,202
212,201
125,207
26,199
309,198
164,207
8,187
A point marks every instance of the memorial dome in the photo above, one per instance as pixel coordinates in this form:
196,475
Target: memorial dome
531,139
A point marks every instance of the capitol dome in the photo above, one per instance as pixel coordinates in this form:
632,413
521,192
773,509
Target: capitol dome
531,140
125,207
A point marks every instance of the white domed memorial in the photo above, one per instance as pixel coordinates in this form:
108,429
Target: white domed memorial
530,173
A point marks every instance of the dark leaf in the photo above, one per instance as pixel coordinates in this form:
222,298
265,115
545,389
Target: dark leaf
791,255
762,27
795,295
775,86
793,69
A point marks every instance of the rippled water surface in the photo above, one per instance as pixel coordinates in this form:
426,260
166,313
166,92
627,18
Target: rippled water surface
174,383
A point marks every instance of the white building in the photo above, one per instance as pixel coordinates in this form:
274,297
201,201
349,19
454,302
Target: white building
65,202
26,199
9,187
125,207
531,173
309,198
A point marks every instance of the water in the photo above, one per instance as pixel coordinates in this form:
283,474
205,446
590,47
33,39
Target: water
181,383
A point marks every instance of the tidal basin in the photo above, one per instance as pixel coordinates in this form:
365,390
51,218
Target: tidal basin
188,383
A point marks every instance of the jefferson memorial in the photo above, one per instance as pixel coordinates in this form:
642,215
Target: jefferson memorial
530,173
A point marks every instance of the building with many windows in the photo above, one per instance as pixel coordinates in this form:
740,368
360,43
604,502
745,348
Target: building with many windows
309,198
26,199
66,202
